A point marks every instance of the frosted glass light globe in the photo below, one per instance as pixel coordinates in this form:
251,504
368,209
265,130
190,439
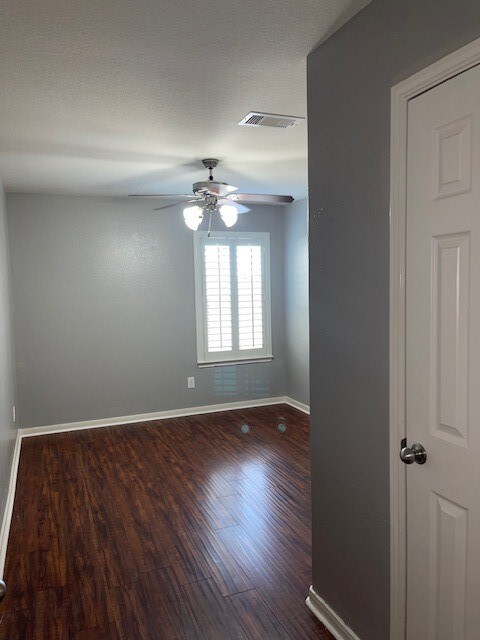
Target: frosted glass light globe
229,214
193,216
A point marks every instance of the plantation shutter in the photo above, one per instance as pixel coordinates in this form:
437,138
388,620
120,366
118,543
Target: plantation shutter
232,292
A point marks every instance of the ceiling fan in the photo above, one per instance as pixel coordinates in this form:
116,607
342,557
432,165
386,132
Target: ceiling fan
213,196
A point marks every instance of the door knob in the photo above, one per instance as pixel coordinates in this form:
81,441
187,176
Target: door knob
3,588
415,453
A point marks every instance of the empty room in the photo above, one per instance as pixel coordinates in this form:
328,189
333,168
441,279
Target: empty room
239,297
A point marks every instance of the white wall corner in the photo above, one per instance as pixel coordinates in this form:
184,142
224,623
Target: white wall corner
327,616
7,515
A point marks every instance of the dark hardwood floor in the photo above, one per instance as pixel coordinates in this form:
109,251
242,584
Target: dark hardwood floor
176,529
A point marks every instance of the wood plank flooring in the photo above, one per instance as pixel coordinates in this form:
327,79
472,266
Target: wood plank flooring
175,529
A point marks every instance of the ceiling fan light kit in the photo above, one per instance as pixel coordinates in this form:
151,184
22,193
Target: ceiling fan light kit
216,197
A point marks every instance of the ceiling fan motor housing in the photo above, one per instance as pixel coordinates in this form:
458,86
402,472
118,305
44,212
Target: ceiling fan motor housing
219,189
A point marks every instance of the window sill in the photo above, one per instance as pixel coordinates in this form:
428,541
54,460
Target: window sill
225,363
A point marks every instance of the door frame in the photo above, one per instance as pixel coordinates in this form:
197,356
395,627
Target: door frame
440,71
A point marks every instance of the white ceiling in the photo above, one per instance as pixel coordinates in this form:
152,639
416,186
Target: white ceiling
126,96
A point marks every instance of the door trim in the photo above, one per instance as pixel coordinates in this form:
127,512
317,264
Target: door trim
451,65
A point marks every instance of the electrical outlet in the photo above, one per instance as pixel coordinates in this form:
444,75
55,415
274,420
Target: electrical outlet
191,382
14,414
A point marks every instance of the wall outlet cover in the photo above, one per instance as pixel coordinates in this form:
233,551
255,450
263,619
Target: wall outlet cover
191,382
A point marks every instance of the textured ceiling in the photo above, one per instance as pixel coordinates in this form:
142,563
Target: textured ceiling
115,97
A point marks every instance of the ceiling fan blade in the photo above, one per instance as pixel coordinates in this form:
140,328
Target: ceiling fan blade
260,198
167,196
174,204
239,207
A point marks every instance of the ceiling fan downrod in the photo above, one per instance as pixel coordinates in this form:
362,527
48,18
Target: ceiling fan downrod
210,164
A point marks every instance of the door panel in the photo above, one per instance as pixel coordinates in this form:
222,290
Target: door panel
449,349
448,563
443,360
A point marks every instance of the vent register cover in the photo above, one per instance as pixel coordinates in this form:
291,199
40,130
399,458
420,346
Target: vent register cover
258,119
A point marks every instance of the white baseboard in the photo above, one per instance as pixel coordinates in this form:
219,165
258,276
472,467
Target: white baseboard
328,617
160,415
297,405
7,515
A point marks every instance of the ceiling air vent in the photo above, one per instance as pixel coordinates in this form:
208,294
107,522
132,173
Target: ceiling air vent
257,119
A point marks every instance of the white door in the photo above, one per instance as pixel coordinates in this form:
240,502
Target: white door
443,360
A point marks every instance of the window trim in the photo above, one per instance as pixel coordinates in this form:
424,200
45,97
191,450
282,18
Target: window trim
219,358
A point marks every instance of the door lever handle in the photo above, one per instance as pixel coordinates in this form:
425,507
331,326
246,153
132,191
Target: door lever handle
415,453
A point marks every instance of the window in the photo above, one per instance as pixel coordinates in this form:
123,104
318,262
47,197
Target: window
232,293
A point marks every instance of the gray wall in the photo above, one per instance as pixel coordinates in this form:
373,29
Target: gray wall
7,371
349,80
104,311
296,301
